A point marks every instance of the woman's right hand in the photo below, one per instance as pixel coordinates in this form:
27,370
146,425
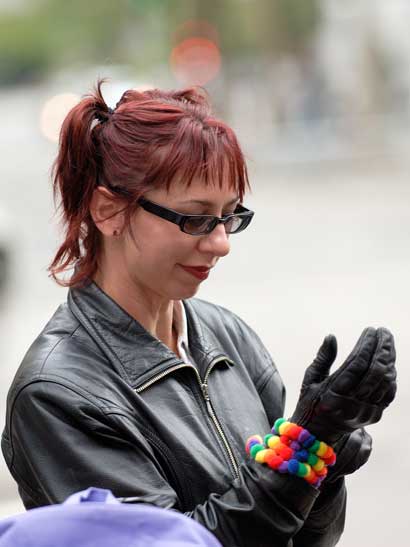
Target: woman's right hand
356,394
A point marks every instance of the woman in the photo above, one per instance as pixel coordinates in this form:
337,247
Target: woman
139,388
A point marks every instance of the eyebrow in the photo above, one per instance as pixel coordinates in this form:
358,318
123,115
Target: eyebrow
206,203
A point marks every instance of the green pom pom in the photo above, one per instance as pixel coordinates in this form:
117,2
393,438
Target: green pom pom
312,459
255,449
266,438
303,470
278,423
315,446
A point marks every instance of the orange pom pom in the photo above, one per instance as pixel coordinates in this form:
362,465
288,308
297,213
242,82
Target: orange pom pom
284,451
284,439
322,472
328,454
273,460
293,431
331,460
311,477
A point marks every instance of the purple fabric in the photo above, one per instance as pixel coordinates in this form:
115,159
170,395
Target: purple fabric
94,518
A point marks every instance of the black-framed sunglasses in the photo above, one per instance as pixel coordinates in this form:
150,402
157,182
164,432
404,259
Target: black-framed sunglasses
197,225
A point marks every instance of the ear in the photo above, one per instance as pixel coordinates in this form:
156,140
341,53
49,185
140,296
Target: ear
106,210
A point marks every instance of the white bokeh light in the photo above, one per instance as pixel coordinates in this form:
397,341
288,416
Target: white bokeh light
53,113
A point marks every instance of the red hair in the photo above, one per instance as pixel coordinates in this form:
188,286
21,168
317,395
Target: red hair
151,139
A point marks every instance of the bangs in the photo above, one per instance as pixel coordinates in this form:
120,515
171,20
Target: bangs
206,151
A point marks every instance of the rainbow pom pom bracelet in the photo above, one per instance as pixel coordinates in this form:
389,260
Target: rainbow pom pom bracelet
291,449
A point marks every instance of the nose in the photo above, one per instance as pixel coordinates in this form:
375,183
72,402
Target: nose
215,243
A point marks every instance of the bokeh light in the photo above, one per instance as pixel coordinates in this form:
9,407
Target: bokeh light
195,60
53,113
198,28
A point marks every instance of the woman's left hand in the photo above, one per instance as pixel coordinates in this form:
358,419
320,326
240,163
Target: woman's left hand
356,394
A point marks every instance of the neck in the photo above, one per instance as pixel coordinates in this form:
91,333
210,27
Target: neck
153,312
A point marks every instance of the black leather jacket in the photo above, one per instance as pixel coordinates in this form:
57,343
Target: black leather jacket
98,401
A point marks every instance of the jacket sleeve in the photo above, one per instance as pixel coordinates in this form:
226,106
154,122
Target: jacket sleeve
59,441
324,524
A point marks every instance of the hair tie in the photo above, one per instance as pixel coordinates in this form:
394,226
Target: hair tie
104,115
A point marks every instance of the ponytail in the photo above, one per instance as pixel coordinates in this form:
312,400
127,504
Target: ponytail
75,176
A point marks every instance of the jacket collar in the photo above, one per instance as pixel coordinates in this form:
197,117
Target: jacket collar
133,351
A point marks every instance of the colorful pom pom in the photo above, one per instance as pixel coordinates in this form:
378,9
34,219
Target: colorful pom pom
292,449
255,449
321,451
284,439
328,454
293,467
302,455
283,468
319,465
303,436
254,439
277,424
309,441
322,473
295,445
331,461
285,451
273,441
312,459
314,447
274,461
266,439
282,427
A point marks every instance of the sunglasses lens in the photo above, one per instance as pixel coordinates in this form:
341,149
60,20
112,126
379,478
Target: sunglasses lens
197,225
237,224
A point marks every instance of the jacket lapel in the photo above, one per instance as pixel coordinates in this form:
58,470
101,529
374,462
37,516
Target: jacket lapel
133,351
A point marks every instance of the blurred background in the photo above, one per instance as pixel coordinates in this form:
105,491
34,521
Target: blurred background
318,92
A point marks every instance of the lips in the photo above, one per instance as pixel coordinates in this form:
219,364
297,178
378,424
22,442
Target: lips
200,272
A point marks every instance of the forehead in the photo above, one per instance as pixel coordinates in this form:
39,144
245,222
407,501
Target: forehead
198,191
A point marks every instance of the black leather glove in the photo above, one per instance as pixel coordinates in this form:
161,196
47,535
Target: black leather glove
352,451
356,394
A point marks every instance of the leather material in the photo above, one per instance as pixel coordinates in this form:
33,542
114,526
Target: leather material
98,401
356,394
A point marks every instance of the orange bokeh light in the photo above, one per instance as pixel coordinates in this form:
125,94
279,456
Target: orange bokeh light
199,28
195,61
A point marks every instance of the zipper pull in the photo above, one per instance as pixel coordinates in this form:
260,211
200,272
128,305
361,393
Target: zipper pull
206,397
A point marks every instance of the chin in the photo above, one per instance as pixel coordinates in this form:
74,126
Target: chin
185,292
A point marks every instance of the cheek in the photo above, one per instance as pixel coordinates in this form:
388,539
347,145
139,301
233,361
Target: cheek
158,250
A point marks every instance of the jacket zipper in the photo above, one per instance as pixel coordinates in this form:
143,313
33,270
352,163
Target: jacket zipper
204,387
204,390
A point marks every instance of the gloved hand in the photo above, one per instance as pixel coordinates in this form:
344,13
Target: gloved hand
356,394
352,451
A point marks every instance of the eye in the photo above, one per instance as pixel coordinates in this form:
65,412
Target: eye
196,224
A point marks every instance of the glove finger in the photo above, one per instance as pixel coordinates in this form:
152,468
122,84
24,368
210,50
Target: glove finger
319,369
354,453
384,393
389,394
349,375
381,367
